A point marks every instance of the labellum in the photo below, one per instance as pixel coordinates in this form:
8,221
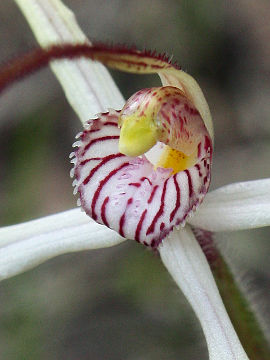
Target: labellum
144,169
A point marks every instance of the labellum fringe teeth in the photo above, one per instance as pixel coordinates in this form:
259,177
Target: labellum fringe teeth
128,194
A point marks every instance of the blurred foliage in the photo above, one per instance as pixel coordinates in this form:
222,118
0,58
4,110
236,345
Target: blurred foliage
120,303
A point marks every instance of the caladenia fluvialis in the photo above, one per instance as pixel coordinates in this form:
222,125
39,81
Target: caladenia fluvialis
146,195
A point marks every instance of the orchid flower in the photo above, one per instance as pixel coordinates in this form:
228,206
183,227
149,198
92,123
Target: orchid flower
143,180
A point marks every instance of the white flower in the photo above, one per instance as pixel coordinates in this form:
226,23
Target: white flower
90,90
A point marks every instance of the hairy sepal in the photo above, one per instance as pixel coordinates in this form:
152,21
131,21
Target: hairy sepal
128,194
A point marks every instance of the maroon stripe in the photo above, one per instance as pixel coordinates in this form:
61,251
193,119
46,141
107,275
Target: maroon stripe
121,225
160,211
139,226
83,162
123,218
190,186
104,138
178,196
100,186
152,194
103,211
104,161
146,178
137,185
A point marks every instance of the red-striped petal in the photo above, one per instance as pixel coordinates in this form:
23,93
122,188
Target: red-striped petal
128,194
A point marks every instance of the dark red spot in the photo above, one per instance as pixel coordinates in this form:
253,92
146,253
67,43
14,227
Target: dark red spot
153,243
137,185
197,166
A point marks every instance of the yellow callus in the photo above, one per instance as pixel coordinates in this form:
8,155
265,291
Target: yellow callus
137,136
175,160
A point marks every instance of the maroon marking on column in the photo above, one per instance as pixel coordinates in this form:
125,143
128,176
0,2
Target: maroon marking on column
139,226
151,228
103,211
100,186
178,197
199,150
166,117
162,225
190,186
104,161
104,138
152,194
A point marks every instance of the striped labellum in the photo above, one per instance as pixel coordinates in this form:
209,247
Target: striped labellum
144,169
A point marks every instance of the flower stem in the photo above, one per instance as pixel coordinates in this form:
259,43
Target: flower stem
242,317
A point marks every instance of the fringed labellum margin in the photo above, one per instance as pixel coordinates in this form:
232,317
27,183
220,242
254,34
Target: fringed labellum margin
118,185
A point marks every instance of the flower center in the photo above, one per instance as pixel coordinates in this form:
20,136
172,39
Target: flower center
175,160
161,115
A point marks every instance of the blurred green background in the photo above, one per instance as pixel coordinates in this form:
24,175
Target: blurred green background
120,303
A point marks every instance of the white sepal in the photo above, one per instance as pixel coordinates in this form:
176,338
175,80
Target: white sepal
29,244
239,206
184,259
88,86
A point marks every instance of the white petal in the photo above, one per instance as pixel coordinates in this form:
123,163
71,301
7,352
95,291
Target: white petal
88,86
239,206
26,245
186,263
